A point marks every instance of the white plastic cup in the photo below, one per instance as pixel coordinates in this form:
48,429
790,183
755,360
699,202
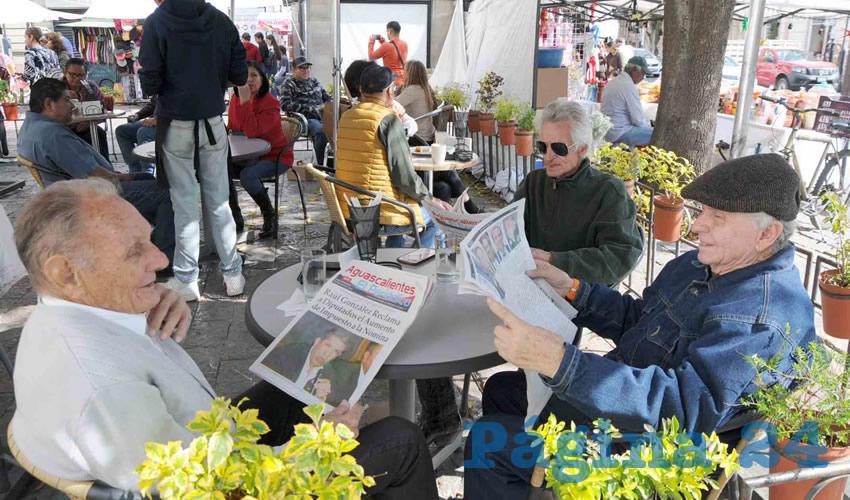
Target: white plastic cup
438,154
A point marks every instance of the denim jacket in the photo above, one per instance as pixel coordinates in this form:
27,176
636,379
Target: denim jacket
680,350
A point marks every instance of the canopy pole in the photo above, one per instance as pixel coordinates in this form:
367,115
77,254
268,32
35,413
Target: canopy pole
747,80
233,10
337,66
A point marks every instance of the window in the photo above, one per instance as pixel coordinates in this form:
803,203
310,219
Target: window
793,55
767,57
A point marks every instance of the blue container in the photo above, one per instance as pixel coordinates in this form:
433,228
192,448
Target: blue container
549,58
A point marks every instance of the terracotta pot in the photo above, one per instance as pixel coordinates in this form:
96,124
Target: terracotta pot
488,124
668,217
630,187
474,122
836,307
10,110
524,142
835,490
506,133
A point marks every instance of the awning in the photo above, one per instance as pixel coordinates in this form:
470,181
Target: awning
134,9
26,11
90,23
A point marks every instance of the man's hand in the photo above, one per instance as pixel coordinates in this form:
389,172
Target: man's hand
541,255
528,347
132,118
170,316
149,122
559,280
350,417
442,203
322,388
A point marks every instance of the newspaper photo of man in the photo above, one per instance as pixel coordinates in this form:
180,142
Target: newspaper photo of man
305,363
488,246
485,269
497,234
512,231
352,374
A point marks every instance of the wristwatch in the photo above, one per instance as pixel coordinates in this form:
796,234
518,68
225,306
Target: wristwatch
573,291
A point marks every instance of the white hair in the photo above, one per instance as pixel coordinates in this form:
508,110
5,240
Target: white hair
762,221
581,127
52,223
631,67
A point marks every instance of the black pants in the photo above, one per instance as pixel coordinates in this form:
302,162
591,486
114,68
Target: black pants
392,450
4,146
101,137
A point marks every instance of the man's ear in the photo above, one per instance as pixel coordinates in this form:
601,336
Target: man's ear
582,151
59,273
769,236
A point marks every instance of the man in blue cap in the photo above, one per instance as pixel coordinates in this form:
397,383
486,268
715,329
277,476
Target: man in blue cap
621,104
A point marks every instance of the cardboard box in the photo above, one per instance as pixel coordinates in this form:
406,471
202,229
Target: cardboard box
302,173
552,83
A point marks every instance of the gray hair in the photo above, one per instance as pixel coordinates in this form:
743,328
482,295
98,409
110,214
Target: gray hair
762,221
581,127
631,67
52,223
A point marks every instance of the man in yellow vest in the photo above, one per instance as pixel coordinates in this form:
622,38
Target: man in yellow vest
372,153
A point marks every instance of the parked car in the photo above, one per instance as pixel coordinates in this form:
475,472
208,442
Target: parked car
731,70
793,69
652,62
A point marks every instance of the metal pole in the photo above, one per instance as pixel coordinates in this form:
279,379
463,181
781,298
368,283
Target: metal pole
337,65
304,40
536,43
748,76
232,10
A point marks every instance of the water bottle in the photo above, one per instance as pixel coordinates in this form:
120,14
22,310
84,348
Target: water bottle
446,267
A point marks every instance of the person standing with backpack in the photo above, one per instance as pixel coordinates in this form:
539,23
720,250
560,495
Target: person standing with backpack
393,53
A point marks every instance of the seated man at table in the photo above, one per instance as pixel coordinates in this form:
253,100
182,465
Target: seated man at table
84,90
139,129
681,350
621,104
301,93
92,387
372,153
60,154
576,217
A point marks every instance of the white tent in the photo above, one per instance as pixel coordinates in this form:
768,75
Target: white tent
26,11
451,66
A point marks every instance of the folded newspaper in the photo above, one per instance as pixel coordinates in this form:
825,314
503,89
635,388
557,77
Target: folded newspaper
332,351
496,256
456,223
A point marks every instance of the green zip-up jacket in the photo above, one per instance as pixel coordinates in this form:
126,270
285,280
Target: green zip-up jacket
586,220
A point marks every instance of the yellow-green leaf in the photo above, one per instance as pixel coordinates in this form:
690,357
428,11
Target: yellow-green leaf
220,446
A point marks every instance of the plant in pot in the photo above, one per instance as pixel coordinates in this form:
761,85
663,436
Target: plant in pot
811,406
225,462
7,97
456,95
834,284
617,160
506,112
489,91
578,466
670,173
525,130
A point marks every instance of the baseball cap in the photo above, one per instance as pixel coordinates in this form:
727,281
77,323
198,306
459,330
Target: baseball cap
639,62
375,79
301,61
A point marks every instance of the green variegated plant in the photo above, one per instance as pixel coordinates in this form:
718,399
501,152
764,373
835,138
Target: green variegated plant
225,462
581,467
839,224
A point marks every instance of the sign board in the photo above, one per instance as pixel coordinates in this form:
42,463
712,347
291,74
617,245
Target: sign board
280,22
837,103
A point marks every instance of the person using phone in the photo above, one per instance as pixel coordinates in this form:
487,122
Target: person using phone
393,54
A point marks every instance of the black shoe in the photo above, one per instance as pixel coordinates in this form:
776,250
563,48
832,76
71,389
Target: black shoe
471,207
269,215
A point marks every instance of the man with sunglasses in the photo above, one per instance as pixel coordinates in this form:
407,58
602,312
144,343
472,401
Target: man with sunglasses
621,103
576,217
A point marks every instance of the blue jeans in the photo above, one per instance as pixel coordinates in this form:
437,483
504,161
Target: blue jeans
130,135
426,237
154,203
320,140
636,136
251,176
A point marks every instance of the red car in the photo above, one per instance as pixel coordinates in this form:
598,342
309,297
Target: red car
793,69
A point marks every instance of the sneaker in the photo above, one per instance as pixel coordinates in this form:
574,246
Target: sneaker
235,284
189,291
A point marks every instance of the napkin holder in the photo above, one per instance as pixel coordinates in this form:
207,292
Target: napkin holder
91,108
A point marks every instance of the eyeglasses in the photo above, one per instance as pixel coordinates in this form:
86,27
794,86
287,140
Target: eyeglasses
78,75
559,148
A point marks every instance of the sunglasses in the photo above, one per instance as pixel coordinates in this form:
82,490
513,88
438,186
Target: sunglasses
559,148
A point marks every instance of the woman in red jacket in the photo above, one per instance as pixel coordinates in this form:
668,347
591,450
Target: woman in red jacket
256,113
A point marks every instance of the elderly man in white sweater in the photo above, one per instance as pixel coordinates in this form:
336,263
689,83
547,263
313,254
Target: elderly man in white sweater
98,375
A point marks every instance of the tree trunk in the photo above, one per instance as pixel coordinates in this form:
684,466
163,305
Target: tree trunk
695,32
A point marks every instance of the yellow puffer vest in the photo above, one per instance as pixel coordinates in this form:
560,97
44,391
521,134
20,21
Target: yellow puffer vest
362,161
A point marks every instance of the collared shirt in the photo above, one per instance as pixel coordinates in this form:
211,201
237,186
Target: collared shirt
621,104
307,374
60,153
133,322
89,90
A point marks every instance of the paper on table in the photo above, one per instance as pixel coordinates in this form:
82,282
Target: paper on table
348,256
297,303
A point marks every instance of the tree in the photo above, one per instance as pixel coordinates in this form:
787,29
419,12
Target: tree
695,33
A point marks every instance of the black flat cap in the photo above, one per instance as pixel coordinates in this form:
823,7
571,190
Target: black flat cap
750,184
301,61
375,79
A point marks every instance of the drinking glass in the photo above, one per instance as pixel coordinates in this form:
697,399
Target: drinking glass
447,271
312,271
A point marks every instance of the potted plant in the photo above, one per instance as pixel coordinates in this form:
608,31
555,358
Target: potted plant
506,111
577,468
835,284
816,410
489,91
617,160
670,173
10,105
225,461
458,96
524,134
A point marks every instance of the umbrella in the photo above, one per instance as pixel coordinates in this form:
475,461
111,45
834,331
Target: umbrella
26,11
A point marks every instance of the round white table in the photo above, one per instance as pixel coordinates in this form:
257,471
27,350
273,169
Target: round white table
241,148
452,335
423,163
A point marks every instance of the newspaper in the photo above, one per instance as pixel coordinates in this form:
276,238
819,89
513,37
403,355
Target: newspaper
332,351
456,223
496,257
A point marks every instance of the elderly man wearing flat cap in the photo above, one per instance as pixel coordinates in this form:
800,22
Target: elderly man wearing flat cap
680,350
